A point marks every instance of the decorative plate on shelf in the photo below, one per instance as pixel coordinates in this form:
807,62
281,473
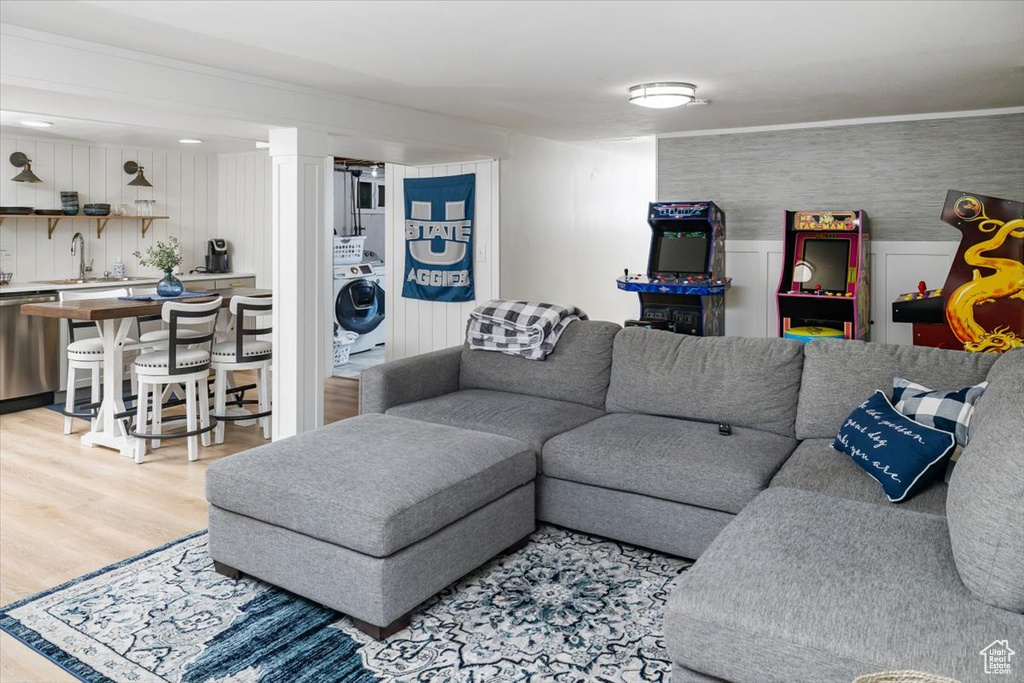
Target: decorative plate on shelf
49,212
15,210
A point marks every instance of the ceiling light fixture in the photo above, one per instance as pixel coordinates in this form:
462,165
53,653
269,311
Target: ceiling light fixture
132,168
190,141
664,95
21,161
260,144
374,171
31,123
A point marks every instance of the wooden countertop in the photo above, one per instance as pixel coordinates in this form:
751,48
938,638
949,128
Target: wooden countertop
112,309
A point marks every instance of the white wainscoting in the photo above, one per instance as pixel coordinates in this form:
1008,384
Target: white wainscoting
415,326
244,212
896,267
184,188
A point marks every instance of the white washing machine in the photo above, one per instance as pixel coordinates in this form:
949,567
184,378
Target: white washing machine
359,303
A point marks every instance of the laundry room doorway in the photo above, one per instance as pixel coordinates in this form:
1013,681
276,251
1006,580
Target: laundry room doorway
360,266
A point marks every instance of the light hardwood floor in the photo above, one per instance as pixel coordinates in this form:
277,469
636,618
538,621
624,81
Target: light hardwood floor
67,510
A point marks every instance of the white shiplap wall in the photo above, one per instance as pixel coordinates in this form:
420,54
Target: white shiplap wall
896,267
415,326
184,187
244,212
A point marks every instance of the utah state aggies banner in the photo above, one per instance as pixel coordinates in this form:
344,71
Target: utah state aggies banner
439,238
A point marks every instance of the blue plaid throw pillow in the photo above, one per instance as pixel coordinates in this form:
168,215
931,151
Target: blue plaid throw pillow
949,411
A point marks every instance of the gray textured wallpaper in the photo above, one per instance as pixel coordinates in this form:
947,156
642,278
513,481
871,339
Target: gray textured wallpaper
898,172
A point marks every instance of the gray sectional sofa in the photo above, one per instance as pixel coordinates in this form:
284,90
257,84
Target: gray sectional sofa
805,571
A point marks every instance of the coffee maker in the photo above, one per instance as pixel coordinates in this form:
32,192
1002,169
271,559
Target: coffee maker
217,260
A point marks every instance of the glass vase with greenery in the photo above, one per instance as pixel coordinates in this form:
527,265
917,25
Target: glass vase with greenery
166,256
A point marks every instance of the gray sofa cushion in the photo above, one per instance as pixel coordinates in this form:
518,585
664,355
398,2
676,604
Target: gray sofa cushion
745,382
577,370
656,523
804,587
677,460
841,374
409,379
530,419
815,466
373,483
986,492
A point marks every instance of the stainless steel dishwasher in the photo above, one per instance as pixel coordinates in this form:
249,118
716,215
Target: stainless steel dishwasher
29,353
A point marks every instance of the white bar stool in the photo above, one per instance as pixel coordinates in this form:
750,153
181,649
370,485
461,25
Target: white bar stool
157,338
87,354
181,363
243,354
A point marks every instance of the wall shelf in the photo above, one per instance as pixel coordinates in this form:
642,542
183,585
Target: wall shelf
145,222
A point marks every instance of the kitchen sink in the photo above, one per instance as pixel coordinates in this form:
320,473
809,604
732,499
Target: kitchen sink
90,280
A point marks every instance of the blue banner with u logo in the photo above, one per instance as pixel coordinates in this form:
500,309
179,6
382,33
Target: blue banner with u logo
439,238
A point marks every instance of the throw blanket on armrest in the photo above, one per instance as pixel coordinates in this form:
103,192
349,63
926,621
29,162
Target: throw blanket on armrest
519,328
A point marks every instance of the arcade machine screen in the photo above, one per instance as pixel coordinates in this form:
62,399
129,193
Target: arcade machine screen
682,252
827,262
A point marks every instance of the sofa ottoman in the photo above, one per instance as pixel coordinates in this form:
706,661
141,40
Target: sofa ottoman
371,515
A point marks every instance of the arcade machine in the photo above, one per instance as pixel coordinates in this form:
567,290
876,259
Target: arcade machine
981,305
824,288
684,289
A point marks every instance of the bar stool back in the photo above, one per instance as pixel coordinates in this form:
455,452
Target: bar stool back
244,352
86,353
157,338
180,363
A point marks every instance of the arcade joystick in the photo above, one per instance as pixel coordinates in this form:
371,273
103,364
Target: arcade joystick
921,287
817,289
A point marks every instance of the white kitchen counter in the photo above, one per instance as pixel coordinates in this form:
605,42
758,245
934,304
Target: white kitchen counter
135,281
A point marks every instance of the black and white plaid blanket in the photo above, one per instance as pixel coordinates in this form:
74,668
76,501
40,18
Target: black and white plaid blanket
519,328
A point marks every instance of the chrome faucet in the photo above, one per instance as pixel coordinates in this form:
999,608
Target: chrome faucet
77,240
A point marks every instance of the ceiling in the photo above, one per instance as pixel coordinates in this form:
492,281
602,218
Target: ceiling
561,69
67,129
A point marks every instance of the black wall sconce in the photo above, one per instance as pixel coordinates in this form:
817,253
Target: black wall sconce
21,161
132,168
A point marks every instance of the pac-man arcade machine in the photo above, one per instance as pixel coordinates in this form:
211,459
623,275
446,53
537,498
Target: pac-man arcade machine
824,287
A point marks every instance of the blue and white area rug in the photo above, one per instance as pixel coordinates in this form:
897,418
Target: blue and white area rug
568,608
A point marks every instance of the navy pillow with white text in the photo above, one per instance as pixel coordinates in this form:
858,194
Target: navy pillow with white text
901,454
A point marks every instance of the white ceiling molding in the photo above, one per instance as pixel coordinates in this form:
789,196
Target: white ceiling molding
846,122
56,65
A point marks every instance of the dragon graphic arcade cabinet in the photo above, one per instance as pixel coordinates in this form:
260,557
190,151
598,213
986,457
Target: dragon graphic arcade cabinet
980,307
824,287
684,288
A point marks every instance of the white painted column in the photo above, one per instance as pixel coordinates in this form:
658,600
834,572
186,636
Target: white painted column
303,208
